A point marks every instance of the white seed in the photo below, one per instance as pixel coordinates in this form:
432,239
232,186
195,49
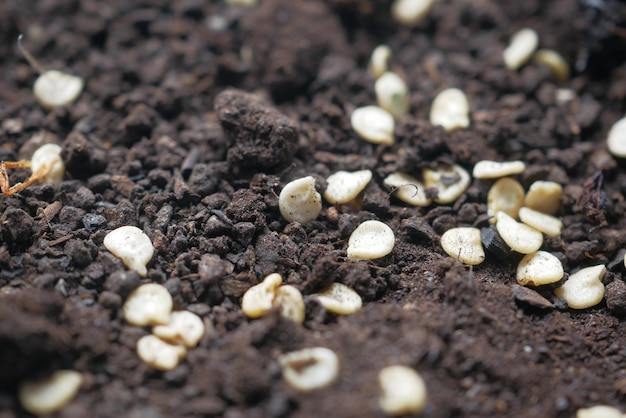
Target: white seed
492,169
450,109
184,328
538,269
48,395
258,300
554,62
48,158
506,195
410,12
289,301
344,187
309,369
339,299
132,246
374,124
392,94
544,197
159,354
523,45
521,238
149,304
547,224
299,201
379,60
370,240
599,411
408,189
451,181
464,244
55,88
403,391
584,288
564,96
616,140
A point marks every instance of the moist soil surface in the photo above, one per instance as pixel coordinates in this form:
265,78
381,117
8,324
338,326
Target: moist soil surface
194,116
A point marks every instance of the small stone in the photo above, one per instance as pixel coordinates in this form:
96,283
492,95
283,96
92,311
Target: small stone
403,391
615,295
584,288
464,244
521,48
492,169
539,269
371,240
521,238
310,368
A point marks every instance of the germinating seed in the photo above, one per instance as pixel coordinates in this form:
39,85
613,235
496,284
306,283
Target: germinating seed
379,60
403,391
616,140
492,170
344,187
184,328
450,109
159,354
521,238
599,411
584,288
464,244
538,269
408,189
374,124
258,300
370,240
149,304
542,222
392,94
523,45
544,197
299,201
48,395
410,12
132,246
554,62
339,299
290,303
451,181
48,155
309,369
506,195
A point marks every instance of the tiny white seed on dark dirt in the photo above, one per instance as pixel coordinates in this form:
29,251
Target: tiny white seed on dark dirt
584,288
299,201
132,246
544,197
343,186
379,60
492,169
410,12
339,299
450,109
48,155
522,46
374,124
464,244
371,240
554,62
289,301
548,224
451,181
403,391
259,299
520,237
392,94
538,269
506,195
159,354
408,189
184,328
149,304
310,368
48,395
616,140
599,411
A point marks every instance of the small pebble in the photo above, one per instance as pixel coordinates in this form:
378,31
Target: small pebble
616,139
542,222
310,368
403,391
371,240
584,288
521,238
374,124
492,169
451,181
544,197
538,269
506,195
408,189
392,94
48,395
299,201
464,244
522,46
149,304
450,109
159,354
184,328
339,299
132,246
343,186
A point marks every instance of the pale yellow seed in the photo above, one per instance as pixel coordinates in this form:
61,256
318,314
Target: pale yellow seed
538,269
554,62
492,169
374,124
410,12
599,411
464,244
451,181
343,186
506,195
584,288
48,395
616,140
544,197
379,60
290,303
339,299
159,354
408,189
132,246
259,299
371,240
48,156
309,369
519,237
299,201
522,46
548,224
450,109
149,304
403,391
392,94
184,328
54,88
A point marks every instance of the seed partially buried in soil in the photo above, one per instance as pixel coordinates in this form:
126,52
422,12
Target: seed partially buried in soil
584,288
299,201
271,293
450,181
48,155
521,48
50,394
450,109
310,368
371,240
410,12
344,187
519,237
290,302
464,244
159,354
374,124
149,304
538,269
339,299
132,246
403,391
184,328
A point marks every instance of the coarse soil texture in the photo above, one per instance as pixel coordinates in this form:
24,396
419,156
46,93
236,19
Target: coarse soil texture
194,116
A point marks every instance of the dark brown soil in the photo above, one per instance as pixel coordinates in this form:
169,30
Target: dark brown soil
167,137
